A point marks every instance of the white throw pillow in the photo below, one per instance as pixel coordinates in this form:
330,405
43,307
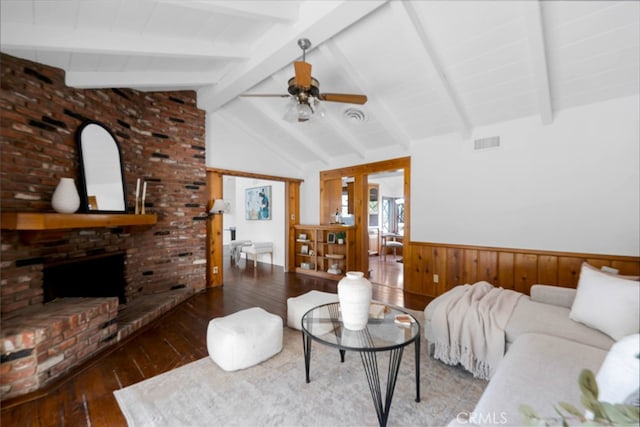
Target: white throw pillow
619,375
608,303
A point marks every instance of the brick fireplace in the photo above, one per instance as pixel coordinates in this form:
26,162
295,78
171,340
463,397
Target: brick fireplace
86,277
162,141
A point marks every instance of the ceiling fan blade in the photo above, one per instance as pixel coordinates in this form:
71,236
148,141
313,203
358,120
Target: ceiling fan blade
343,97
303,74
264,95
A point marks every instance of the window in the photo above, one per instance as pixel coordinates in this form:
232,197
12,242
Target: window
393,215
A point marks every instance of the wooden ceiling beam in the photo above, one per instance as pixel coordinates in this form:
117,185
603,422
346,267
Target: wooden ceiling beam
51,39
406,12
229,118
345,135
359,82
539,66
287,11
318,22
141,80
292,129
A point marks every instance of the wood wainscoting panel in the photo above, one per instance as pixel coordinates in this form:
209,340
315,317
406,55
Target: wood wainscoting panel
548,268
516,269
506,269
526,272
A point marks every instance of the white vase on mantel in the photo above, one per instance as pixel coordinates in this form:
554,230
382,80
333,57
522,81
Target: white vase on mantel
65,198
354,296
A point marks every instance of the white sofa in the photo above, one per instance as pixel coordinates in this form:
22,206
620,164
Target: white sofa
546,351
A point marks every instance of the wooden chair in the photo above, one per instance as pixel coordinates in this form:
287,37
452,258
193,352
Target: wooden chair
392,244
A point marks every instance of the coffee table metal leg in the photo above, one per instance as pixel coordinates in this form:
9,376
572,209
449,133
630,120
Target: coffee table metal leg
306,346
370,363
418,368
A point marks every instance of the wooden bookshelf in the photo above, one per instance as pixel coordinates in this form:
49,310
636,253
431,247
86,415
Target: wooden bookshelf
317,248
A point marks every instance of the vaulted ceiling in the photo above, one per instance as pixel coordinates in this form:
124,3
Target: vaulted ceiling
427,67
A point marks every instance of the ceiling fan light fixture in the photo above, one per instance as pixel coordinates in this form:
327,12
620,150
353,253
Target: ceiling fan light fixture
319,110
304,91
291,114
303,109
305,112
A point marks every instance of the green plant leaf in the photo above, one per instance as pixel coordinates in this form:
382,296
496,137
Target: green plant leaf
527,411
592,404
604,413
572,410
630,411
618,414
588,384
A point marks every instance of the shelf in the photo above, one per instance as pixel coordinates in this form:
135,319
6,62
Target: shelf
327,254
29,221
319,273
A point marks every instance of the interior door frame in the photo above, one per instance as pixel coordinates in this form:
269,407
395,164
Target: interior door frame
360,174
214,250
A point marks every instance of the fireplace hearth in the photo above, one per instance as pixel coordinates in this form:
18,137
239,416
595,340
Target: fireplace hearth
90,277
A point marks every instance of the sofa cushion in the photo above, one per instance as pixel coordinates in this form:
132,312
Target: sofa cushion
619,375
540,371
554,295
608,303
535,317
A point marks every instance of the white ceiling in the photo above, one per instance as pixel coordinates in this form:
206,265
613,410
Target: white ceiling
427,67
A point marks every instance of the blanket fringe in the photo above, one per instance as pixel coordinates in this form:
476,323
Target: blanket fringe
455,354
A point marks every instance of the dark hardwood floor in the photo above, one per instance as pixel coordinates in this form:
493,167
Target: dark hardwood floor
386,270
85,397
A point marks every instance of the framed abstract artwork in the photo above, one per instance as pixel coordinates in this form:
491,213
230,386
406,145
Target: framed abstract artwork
257,202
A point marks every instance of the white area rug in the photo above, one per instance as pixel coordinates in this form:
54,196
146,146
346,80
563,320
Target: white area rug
275,393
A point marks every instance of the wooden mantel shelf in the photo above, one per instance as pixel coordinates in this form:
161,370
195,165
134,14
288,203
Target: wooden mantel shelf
31,221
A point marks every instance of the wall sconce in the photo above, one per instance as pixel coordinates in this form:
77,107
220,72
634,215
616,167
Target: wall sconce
217,208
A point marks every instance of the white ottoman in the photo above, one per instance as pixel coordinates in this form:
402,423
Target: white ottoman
244,339
298,306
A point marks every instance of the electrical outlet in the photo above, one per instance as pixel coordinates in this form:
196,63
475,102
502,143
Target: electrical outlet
215,270
436,278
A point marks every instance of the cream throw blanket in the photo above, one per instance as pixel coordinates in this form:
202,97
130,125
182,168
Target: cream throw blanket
468,325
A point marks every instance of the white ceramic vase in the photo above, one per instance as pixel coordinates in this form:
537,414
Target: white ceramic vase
65,197
354,295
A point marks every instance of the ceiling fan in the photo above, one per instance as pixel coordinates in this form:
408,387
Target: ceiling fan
304,91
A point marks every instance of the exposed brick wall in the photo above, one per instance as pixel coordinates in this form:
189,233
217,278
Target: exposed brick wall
162,138
41,344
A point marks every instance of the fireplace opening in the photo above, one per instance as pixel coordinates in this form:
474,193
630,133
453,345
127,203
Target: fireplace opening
91,277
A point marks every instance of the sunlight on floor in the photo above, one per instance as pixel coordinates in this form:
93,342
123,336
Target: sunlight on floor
389,272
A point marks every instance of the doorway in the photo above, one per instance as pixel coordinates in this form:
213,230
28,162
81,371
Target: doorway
215,230
386,227
241,227
364,201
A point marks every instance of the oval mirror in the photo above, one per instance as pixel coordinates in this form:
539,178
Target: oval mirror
102,186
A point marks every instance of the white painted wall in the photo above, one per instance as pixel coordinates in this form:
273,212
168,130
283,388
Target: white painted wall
227,151
571,186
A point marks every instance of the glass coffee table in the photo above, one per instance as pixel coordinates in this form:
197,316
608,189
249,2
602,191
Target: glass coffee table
324,325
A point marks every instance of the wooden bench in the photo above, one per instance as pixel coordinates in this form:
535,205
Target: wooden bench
256,249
